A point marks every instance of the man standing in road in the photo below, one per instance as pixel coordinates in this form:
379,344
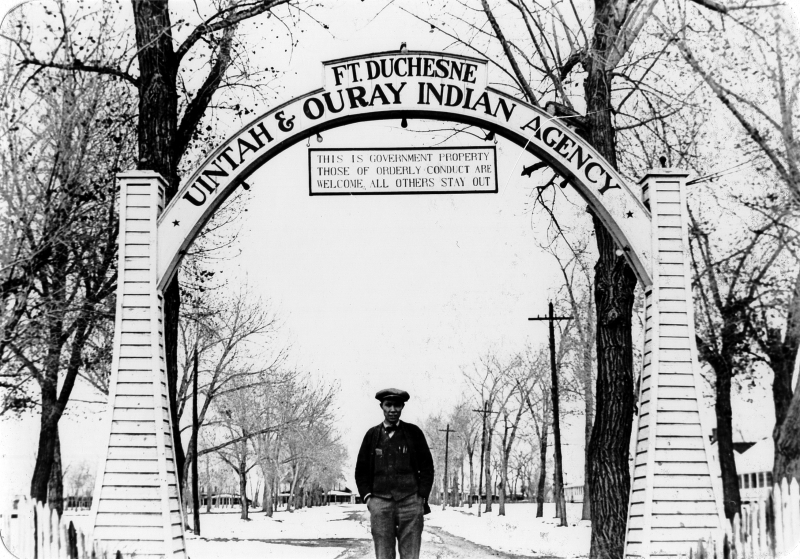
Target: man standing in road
394,475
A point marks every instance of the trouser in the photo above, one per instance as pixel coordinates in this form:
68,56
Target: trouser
399,521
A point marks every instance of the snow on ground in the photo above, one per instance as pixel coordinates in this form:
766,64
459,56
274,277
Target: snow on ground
308,523
248,549
327,532
519,532
225,535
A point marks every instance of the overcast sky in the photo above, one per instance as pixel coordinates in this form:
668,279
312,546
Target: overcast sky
377,291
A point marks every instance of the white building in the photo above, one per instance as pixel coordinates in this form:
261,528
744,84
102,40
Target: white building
754,467
573,493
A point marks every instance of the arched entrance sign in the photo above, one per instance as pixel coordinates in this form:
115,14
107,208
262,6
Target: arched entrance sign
674,498
411,85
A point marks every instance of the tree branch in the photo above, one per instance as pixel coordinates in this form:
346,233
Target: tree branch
510,55
630,29
753,132
241,438
77,65
719,7
197,107
227,18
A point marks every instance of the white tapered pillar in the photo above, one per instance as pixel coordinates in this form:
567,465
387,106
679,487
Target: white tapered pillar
675,496
136,506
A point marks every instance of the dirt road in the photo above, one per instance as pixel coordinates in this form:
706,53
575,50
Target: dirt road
436,544
322,532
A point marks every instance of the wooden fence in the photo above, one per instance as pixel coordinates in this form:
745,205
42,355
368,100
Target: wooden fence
34,531
764,530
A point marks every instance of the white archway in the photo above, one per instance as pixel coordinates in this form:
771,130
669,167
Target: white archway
356,91
674,498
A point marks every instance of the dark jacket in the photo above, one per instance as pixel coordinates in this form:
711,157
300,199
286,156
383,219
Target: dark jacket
420,458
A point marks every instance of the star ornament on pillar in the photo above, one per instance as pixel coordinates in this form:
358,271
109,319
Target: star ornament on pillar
629,214
176,223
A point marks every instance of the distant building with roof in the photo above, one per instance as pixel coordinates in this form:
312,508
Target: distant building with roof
754,462
573,493
754,467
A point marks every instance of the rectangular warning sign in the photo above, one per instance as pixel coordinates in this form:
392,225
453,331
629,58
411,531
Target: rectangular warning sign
402,170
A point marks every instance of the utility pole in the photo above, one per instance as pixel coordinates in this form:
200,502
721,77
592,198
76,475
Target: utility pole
559,473
485,411
446,452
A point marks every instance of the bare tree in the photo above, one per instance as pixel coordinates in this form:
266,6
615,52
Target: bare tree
541,63
65,134
79,479
521,384
577,296
749,293
545,50
234,338
462,449
470,437
237,415
491,381
539,405
176,69
311,436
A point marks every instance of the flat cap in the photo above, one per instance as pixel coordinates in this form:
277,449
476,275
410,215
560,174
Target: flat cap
392,394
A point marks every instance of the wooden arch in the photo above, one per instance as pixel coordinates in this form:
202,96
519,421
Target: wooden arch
675,495
357,90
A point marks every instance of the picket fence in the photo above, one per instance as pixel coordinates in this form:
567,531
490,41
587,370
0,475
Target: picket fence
764,529
34,531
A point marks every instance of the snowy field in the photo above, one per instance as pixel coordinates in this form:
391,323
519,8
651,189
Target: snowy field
342,531
519,531
308,534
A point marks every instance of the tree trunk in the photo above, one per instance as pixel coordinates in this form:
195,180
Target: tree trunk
542,467
501,506
787,449
245,506
208,486
254,500
471,481
609,475
48,429
615,282
276,491
487,470
514,488
529,488
157,127
267,505
461,487
588,399
290,502
782,354
720,358
727,463
172,302
556,498
195,427
55,485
